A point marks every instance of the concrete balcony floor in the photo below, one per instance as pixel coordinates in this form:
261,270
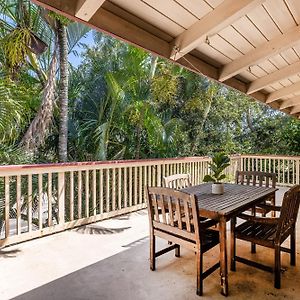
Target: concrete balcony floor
110,260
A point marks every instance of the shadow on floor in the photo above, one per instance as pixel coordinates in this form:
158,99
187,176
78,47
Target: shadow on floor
126,276
90,229
9,253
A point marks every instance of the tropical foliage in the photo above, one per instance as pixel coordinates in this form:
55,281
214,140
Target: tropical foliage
119,102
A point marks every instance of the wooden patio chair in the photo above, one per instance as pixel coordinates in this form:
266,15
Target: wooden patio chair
177,181
270,232
174,216
256,178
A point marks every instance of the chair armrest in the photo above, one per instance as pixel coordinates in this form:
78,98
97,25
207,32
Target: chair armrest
255,219
269,207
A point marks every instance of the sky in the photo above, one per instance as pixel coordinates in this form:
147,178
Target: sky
75,60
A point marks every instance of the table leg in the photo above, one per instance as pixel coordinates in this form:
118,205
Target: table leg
253,246
223,257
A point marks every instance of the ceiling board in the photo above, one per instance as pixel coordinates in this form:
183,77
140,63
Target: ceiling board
199,8
280,14
263,22
174,11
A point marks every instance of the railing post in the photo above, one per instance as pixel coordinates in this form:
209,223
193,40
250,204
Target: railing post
61,198
241,163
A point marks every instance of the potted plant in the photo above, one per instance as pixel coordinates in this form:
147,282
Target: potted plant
219,163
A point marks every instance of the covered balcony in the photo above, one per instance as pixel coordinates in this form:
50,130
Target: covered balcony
80,230
101,249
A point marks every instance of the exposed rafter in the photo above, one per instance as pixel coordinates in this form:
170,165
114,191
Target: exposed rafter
85,9
221,17
295,110
290,102
291,89
263,52
114,21
276,76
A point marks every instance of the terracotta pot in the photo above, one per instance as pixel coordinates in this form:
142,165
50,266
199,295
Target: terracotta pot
217,188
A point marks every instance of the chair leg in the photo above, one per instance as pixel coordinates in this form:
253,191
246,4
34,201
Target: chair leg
177,251
199,273
277,267
273,214
253,246
293,248
233,245
152,252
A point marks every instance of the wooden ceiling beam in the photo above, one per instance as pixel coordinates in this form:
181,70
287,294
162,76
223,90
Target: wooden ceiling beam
290,102
286,91
276,76
295,110
219,18
119,27
286,40
85,9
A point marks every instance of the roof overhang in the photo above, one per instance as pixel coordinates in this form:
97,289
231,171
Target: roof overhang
250,45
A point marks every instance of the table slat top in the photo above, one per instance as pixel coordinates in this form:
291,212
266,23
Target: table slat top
236,197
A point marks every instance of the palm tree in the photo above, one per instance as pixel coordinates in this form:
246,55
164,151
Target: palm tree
63,91
23,23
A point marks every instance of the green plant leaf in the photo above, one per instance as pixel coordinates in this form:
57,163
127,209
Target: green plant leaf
209,178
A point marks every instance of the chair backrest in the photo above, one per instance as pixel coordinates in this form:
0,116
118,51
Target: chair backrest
256,178
288,213
173,213
177,181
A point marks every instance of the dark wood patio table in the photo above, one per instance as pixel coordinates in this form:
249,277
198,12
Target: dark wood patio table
236,199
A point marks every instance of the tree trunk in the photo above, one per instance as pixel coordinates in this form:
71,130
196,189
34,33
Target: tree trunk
39,127
63,92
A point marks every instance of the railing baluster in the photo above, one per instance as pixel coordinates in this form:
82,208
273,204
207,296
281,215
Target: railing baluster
40,201
61,198
29,203
149,175
125,187
71,195
18,204
87,193
159,175
298,171
101,202
288,173
7,206
293,172
145,182
140,184
107,193
283,171
79,194
113,189
135,190
153,173
278,171
130,186
94,192
119,188
49,199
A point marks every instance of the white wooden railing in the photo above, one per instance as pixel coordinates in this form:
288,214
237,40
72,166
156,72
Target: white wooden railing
285,167
37,200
